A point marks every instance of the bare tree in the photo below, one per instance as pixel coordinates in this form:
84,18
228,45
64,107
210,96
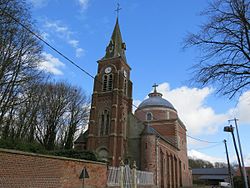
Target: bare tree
20,53
224,41
52,108
62,110
220,165
31,107
199,163
77,116
26,120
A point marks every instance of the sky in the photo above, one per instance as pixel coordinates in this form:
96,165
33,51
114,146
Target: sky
154,32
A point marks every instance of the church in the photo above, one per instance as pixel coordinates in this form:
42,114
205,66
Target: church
153,136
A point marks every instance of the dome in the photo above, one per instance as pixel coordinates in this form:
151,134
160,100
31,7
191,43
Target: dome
155,100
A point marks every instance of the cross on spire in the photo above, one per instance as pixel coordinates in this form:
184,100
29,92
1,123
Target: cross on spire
118,9
155,86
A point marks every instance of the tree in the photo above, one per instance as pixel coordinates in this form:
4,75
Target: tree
20,53
220,165
53,104
77,116
224,41
26,119
199,163
62,110
32,109
51,115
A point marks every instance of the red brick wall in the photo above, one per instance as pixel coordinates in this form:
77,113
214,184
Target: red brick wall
159,113
148,153
21,169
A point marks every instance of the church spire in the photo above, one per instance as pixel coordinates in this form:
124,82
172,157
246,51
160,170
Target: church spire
116,47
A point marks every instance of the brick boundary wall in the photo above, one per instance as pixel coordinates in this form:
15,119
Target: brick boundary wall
28,170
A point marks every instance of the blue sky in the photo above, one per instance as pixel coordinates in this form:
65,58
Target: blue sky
154,34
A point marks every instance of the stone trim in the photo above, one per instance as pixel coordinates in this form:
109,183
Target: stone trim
113,134
47,156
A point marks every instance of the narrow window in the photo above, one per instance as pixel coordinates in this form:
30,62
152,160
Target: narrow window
102,124
168,115
104,83
110,82
125,86
179,141
149,116
105,123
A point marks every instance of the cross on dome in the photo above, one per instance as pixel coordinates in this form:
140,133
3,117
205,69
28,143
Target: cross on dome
155,86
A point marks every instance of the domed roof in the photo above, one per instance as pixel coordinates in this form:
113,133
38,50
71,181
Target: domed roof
155,100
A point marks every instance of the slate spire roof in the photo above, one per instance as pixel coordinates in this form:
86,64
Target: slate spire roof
116,46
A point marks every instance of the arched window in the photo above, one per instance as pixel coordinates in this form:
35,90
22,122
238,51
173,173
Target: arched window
105,123
104,83
110,82
103,154
102,123
107,82
149,116
125,86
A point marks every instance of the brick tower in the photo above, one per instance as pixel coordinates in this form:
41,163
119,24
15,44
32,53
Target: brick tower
111,103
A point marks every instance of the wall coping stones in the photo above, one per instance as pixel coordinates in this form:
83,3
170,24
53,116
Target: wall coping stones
48,156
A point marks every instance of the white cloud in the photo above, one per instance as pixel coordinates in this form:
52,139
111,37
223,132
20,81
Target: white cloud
61,30
233,159
247,160
79,52
51,64
64,33
241,111
45,36
198,155
194,144
198,117
74,43
192,110
83,4
38,3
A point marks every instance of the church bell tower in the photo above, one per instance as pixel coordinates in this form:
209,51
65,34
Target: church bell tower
111,103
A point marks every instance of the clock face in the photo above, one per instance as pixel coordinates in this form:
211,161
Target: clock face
108,70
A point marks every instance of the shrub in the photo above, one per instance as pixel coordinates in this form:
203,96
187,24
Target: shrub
35,147
22,145
88,155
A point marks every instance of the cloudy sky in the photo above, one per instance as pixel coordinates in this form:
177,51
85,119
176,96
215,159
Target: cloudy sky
154,34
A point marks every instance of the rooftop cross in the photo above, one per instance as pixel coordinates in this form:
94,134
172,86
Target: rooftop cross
155,86
118,9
